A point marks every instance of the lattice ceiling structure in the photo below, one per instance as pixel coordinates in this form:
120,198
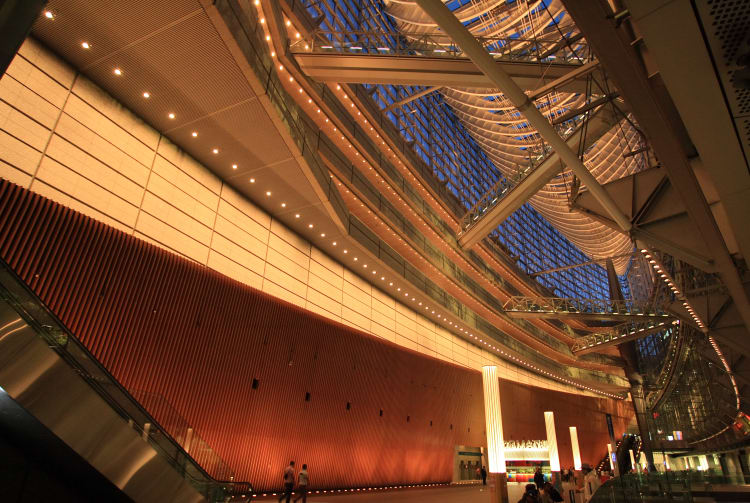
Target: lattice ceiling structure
529,29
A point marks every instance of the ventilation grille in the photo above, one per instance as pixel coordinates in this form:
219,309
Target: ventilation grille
727,28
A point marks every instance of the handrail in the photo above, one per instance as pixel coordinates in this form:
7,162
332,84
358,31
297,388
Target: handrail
438,44
54,333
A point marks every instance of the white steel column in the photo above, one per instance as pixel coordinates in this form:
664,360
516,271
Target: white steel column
493,421
576,450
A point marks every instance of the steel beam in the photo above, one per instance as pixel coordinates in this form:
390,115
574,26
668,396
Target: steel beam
411,98
613,47
602,121
439,71
503,81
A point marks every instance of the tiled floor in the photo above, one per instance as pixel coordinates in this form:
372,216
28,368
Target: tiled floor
463,494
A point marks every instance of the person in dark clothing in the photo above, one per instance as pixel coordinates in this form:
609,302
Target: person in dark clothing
551,494
539,478
531,495
288,482
484,476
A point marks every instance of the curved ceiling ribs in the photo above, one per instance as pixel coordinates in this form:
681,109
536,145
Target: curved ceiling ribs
507,137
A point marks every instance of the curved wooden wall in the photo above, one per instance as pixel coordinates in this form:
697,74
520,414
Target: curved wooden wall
163,324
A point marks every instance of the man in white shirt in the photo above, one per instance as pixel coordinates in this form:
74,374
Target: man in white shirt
302,480
288,482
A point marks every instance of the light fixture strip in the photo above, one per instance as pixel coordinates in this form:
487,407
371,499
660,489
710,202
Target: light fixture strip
576,450
554,458
493,419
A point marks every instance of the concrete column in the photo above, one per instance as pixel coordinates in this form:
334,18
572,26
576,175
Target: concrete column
494,425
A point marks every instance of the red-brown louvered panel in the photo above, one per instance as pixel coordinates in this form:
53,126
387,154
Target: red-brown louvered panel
165,325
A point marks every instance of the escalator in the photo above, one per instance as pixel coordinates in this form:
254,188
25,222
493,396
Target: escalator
73,429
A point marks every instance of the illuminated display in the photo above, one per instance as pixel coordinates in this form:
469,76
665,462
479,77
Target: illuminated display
493,419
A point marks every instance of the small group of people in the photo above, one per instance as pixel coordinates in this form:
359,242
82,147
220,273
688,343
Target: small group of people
303,480
542,491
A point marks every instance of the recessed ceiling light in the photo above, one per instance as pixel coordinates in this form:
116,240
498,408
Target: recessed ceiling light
283,205
334,243
310,226
297,35
262,20
85,45
48,14
323,235
288,23
273,54
268,38
346,251
171,115
215,151
234,166
195,134
268,192
146,95
296,215
252,180
117,71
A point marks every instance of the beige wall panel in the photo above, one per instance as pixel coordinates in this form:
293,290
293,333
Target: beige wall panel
18,125
290,237
28,102
282,293
35,82
388,323
407,343
45,60
99,148
326,261
326,274
323,312
382,311
283,263
18,154
384,298
381,331
14,175
101,125
240,203
405,331
90,168
324,301
405,320
84,190
173,195
175,218
190,167
171,237
240,255
232,269
355,280
243,221
405,311
286,281
293,255
355,318
238,237
185,183
320,285
357,294
115,112
356,305
62,198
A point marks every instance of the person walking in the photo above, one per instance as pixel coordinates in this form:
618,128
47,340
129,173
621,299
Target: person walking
302,480
590,483
550,494
288,482
539,478
484,476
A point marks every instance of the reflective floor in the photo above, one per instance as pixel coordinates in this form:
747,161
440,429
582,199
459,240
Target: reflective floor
461,494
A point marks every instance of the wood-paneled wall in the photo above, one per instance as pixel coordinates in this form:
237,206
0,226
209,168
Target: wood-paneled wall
164,324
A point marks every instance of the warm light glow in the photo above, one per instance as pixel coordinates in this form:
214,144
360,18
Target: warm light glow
215,151
146,95
171,115
49,15
234,166
576,450
252,180
195,134
632,458
554,459
268,193
117,71
493,419
85,45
